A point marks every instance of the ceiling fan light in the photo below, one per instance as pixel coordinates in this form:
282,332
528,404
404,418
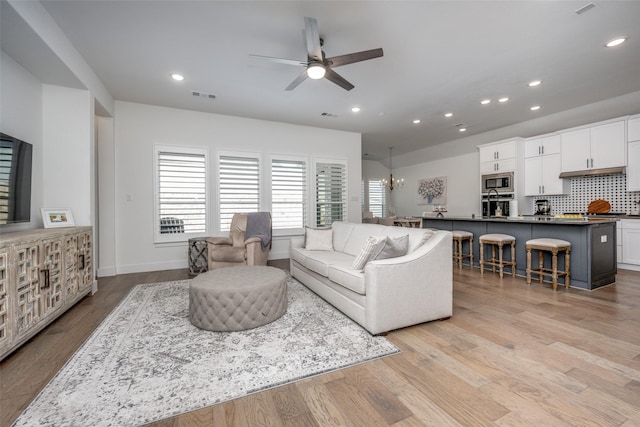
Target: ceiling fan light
316,71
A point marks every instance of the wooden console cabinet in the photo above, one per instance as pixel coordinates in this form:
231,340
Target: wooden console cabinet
42,274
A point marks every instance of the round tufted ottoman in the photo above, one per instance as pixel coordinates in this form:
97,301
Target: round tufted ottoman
237,298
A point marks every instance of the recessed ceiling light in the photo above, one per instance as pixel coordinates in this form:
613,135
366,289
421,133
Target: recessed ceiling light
177,77
534,83
503,99
447,115
535,108
616,42
485,101
355,109
463,129
416,121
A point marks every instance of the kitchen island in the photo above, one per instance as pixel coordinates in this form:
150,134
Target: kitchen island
593,242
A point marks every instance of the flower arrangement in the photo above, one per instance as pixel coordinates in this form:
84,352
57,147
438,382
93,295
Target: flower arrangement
430,189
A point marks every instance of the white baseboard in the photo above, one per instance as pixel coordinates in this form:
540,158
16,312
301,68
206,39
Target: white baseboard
155,266
278,255
628,266
106,272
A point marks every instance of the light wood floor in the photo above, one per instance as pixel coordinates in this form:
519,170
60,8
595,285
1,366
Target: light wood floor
511,355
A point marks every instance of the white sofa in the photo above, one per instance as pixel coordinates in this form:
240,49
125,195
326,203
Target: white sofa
390,293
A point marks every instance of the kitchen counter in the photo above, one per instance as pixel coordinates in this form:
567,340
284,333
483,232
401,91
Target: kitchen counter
529,219
593,242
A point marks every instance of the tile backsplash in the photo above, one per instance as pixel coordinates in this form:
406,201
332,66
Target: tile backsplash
612,188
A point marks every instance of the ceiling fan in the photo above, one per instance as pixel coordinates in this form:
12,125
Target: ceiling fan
317,65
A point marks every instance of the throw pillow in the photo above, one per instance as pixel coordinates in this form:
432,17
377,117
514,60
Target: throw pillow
369,251
394,247
318,239
428,233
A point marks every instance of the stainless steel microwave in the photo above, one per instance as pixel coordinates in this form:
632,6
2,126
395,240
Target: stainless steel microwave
501,182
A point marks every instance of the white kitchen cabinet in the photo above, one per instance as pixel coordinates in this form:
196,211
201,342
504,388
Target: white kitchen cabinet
633,166
542,166
633,129
631,241
596,147
539,146
498,157
541,176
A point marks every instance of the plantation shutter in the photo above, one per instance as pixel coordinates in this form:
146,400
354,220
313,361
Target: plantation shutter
377,198
331,193
288,193
239,187
181,199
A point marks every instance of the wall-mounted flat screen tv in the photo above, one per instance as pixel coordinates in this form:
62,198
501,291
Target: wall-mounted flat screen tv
15,180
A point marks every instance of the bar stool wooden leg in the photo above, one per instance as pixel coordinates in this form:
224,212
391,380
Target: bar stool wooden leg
529,266
513,259
493,258
567,267
500,258
471,253
481,258
554,269
540,265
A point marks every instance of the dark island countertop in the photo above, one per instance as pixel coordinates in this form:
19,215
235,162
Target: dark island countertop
527,219
593,241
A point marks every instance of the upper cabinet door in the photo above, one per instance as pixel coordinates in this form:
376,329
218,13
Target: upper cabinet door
633,129
576,150
551,144
607,145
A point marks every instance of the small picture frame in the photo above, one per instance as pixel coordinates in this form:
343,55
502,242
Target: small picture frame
57,217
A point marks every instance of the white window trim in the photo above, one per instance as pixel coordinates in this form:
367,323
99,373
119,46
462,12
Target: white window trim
314,205
261,198
179,237
268,195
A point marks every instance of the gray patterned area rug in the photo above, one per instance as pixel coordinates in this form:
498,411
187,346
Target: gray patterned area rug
146,362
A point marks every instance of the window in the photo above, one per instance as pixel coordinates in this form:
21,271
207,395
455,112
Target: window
331,192
181,204
288,193
377,198
239,180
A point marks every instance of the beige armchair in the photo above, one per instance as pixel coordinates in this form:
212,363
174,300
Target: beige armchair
236,250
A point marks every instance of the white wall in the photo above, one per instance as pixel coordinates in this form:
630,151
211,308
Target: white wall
106,248
21,117
463,185
68,136
138,127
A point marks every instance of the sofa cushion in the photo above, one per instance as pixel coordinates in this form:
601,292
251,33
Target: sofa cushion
344,276
394,247
359,235
319,261
298,254
318,239
341,232
369,251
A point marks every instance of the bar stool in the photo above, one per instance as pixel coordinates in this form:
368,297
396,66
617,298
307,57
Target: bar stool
498,240
554,246
458,255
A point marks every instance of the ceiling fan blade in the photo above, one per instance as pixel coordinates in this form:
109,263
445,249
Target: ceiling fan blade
314,49
297,80
338,79
350,58
280,60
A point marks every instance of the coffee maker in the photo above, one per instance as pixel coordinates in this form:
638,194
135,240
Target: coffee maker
543,207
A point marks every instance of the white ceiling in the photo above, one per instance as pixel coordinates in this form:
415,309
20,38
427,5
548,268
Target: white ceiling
439,56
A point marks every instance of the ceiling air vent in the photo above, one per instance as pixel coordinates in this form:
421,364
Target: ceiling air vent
329,115
203,94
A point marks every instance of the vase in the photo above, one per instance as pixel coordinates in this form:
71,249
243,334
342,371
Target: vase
429,198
